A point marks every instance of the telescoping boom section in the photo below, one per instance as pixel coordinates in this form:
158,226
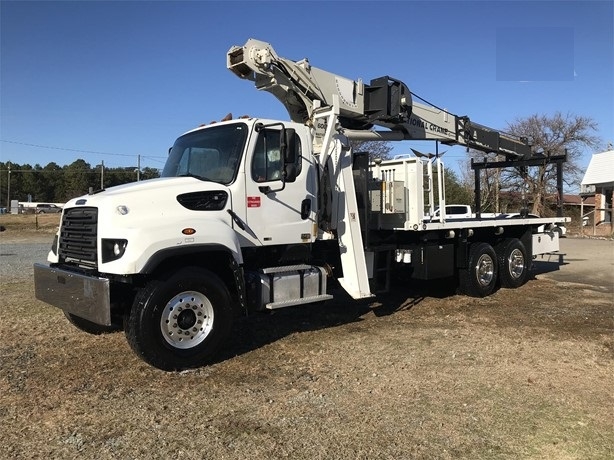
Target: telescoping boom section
384,102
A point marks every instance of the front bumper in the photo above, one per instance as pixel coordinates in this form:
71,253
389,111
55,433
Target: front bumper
87,297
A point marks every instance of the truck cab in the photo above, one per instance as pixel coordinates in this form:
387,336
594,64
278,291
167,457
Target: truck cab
236,204
265,171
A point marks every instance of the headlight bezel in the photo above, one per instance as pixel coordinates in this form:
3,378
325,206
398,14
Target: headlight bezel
112,249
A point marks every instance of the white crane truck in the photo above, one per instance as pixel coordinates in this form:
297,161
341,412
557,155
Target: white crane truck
254,214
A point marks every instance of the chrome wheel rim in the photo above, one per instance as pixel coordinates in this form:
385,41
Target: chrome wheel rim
515,263
485,270
187,320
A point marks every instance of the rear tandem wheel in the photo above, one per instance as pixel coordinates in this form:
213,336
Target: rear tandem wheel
479,279
513,263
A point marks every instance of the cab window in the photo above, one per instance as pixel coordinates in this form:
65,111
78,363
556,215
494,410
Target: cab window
267,162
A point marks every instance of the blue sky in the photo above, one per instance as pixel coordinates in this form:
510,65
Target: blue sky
107,81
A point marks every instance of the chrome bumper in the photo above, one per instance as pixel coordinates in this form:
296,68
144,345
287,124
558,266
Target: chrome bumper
84,296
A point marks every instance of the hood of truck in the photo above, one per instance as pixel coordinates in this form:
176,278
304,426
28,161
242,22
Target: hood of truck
155,215
154,203
148,192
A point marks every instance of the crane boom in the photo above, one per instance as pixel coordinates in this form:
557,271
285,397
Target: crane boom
385,102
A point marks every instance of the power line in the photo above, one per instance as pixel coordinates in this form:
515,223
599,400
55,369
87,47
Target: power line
109,169
67,149
163,161
76,150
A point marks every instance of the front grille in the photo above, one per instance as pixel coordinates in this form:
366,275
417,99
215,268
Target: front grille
78,236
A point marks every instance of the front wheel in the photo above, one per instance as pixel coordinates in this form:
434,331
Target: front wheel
479,279
180,322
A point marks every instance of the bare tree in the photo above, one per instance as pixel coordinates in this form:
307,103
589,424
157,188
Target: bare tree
488,181
551,136
376,149
495,188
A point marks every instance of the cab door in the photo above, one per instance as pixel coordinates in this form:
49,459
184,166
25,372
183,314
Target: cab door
279,211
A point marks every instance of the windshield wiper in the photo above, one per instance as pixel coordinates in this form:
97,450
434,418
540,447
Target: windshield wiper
203,178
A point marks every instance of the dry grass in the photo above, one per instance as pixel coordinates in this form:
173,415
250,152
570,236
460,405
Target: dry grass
27,225
522,374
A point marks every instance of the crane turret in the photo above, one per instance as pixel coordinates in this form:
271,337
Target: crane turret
385,102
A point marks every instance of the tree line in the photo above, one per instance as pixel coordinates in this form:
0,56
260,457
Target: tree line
57,184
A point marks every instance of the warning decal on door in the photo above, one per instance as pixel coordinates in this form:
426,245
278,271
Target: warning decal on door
253,201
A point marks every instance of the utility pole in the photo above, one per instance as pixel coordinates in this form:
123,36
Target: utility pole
138,168
102,175
8,190
497,187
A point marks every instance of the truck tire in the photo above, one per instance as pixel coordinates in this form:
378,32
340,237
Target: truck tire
479,279
558,230
180,322
513,266
89,327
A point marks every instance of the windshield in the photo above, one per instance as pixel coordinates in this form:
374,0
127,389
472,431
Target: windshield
210,154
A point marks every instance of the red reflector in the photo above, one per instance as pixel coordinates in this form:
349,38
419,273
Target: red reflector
188,231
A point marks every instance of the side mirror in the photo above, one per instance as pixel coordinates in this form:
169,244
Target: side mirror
290,172
288,152
287,143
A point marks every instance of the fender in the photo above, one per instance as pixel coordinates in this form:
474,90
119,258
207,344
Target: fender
160,256
231,273
211,234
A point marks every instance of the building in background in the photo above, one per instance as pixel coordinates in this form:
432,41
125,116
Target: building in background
598,182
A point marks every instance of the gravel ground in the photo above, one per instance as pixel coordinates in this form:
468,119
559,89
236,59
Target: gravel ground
16,258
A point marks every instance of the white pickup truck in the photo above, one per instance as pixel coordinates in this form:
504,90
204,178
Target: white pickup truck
454,211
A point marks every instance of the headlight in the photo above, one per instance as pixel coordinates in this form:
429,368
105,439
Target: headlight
113,249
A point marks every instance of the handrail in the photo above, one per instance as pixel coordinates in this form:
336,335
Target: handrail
595,223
